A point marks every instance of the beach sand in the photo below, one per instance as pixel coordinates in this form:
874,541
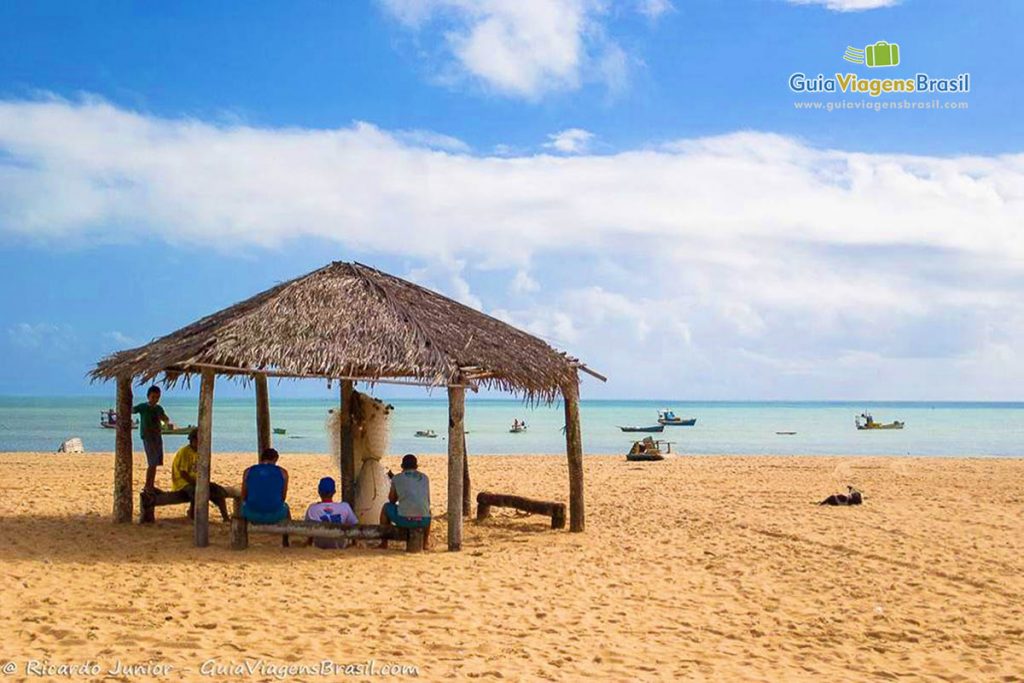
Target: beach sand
695,568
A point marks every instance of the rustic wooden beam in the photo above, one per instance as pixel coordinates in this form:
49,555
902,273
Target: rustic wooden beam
201,527
229,371
348,462
467,501
485,501
263,431
574,452
123,453
456,460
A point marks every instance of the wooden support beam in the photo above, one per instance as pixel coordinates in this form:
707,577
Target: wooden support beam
123,453
263,431
348,462
467,502
574,451
485,501
201,528
456,461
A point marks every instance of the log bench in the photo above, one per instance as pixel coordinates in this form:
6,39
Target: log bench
149,501
241,528
485,501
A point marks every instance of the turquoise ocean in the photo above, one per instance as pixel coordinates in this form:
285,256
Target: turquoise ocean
743,428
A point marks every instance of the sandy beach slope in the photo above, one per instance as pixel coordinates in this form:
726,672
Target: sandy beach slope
696,568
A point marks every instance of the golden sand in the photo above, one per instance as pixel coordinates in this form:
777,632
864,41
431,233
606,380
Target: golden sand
695,568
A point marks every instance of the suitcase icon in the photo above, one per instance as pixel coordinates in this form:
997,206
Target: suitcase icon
882,54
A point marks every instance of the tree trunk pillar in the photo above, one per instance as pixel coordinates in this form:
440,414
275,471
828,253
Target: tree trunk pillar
348,462
263,430
123,452
456,463
467,501
574,451
201,528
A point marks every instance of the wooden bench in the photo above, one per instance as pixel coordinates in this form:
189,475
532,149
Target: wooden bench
241,528
149,501
485,501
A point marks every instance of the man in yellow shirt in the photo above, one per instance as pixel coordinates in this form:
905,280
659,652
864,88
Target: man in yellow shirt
183,477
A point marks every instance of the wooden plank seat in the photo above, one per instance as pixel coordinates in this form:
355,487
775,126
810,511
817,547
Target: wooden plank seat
150,500
241,528
485,501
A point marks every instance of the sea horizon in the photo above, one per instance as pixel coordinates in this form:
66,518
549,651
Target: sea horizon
733,427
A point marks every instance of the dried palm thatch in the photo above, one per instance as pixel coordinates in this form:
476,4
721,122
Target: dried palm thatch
350,321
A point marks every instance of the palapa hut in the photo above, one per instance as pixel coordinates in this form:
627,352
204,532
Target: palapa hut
349,322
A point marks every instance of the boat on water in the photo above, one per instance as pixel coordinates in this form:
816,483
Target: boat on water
785,433
652,428
175,430
517,427
426,433
108,419
280,430
865,421
668,417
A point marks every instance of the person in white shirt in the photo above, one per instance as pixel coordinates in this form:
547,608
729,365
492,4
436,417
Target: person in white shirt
329,511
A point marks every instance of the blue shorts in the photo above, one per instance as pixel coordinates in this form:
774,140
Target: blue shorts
391,509
154,447
260,517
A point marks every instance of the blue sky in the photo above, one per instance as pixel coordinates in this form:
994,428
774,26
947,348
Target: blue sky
630,180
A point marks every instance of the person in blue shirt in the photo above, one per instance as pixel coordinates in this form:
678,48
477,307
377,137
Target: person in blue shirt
264,490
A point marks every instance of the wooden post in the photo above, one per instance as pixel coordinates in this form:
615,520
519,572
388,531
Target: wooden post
467,501
456,460
201,529
123,453
263,438
348,463
574,451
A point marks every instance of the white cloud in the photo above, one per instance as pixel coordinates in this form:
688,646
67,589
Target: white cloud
523,48
120,339
847,5
432,140
570,141
40,336
747,253
653,9
523,283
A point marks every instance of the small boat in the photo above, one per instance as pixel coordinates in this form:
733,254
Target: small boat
644,457
869,423
517,427
108,419
653,428
280,430
173,430
785,433
645,451
668,417
426,434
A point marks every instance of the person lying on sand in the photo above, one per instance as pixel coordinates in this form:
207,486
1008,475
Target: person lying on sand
183,477
408,505
264,490
854,498
329,511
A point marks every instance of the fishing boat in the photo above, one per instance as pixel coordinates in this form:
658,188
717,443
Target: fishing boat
668,417
174,430
108,419
280,430
645,451
652,428
785,433
426,434
869,423
517,427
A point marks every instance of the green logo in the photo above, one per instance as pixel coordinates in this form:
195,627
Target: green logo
879,54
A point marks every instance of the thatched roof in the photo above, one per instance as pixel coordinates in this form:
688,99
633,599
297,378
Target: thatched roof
350,321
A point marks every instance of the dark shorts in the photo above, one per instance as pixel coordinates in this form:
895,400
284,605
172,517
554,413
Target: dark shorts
154,446
391,509
217,492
